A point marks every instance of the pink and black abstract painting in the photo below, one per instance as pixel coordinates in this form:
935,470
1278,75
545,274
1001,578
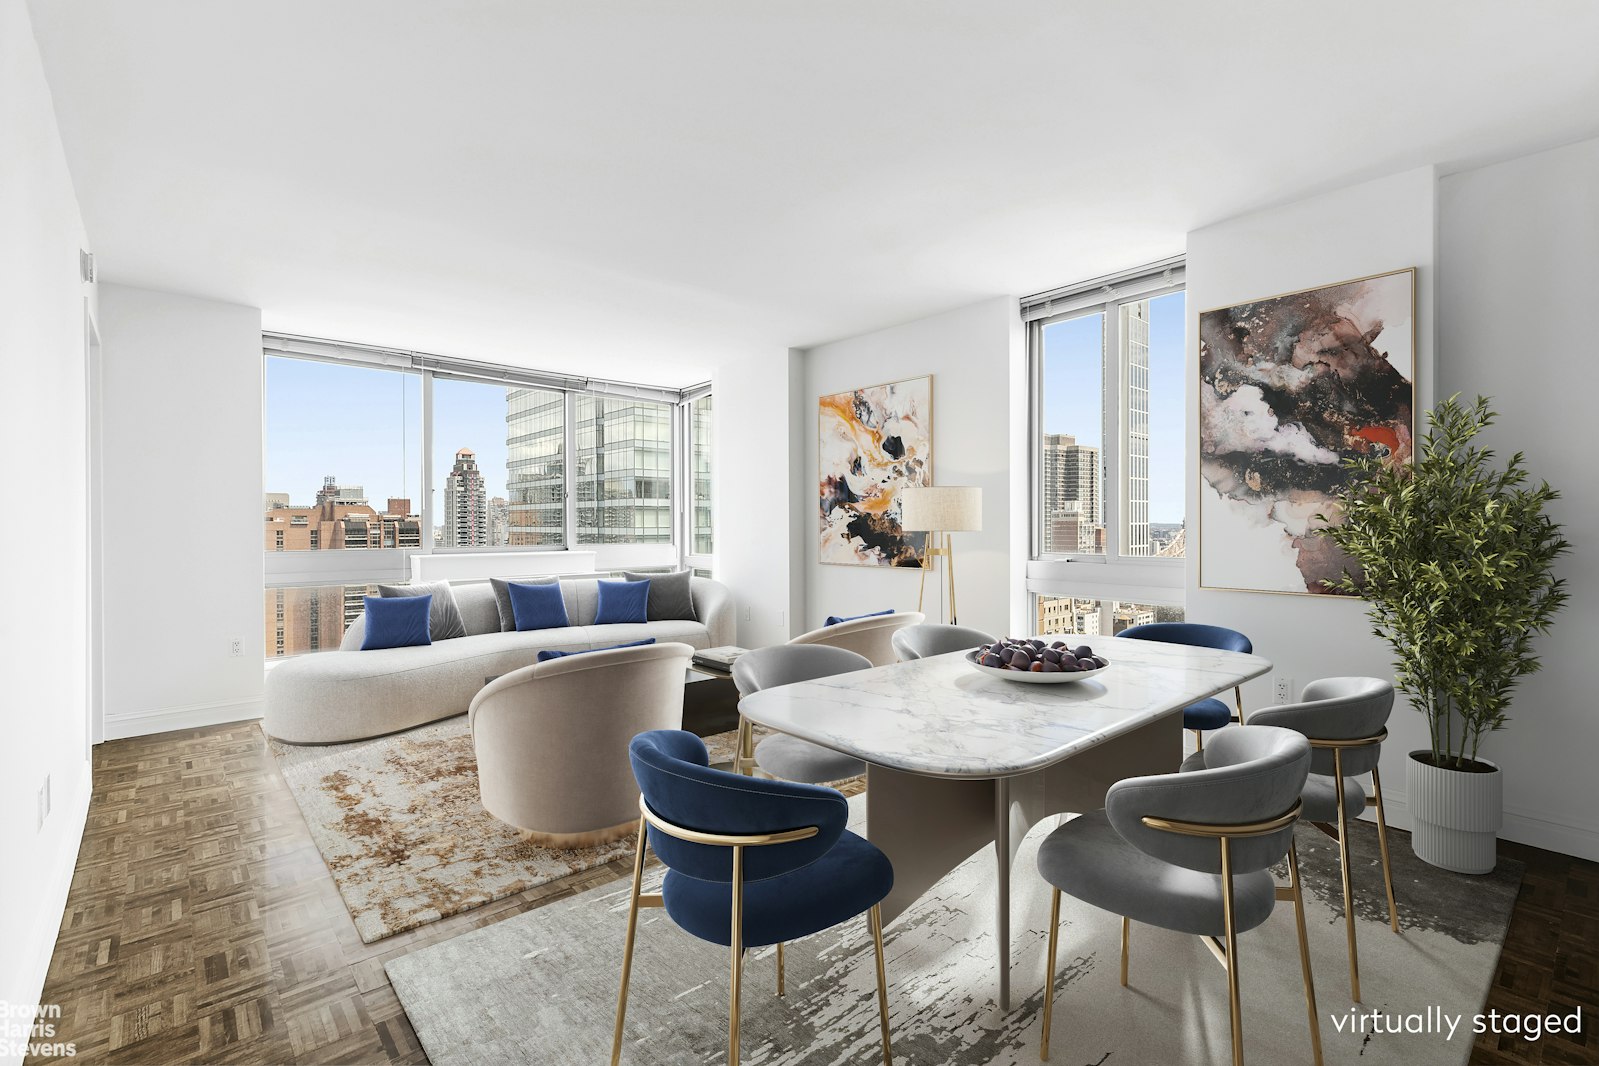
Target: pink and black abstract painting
1289,387
872,443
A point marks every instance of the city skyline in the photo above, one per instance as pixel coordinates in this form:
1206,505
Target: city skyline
1073,357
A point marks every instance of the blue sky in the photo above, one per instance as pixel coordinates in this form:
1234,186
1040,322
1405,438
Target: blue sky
364,426
1073,386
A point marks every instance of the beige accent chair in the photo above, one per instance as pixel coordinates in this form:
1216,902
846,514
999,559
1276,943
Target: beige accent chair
872,637
552,740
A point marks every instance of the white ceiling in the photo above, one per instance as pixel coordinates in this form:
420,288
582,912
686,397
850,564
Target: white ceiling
640,189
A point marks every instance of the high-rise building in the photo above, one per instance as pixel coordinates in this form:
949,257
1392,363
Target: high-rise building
499,521
314,618
466,505
1072,496
623,490
535,466
1135,333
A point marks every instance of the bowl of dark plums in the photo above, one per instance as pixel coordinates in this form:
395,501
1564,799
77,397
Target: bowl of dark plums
1038,662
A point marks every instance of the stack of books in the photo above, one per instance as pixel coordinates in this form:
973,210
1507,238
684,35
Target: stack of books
719,658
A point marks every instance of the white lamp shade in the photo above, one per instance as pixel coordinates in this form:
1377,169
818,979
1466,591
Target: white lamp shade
942,508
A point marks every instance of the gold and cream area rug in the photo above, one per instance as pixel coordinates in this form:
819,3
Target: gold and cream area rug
541,986
398,822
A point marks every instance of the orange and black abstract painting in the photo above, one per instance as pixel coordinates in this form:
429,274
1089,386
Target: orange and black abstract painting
872,442
1290,387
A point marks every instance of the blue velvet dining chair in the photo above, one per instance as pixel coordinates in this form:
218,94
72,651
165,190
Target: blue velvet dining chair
748,863
1210,713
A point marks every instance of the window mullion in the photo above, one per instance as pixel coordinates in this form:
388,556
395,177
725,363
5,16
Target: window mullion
1111,435
569,457
426,509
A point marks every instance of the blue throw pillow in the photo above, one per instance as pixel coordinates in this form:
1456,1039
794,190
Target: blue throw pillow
833,619
546,656
401,622
538,606
622,601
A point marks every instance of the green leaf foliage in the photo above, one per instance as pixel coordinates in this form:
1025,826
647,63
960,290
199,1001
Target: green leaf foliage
1455,558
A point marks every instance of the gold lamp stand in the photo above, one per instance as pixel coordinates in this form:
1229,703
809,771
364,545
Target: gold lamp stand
939,511
929,554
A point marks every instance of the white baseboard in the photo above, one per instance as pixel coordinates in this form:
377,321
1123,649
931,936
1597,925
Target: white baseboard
48,924
193,716
1538,829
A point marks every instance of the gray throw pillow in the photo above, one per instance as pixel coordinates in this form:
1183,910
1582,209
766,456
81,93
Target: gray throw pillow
502,597
444,617
670,595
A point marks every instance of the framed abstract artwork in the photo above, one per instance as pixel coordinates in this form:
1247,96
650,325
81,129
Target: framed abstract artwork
872,442
1289,387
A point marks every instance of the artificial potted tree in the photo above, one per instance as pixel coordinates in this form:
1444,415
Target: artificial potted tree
1455,557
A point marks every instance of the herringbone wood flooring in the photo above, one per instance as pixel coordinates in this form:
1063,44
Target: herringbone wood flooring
203,927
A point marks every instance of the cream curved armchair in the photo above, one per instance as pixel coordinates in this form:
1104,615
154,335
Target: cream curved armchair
872,636
552,739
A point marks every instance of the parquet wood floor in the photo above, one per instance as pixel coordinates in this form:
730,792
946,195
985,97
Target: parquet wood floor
203,927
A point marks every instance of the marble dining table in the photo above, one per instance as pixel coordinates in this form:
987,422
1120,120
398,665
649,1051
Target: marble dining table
958,758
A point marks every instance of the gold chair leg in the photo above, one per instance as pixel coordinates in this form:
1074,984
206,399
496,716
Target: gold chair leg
1382,839
1235,1007
1304,953
737,943
627,951
875,920
1199,740
744,760
1238,700
1049,974
780,967
1343,862
1126,926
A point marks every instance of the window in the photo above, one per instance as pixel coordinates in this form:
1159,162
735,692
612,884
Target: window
699,433
517,460
1084,617
624,471
1107,369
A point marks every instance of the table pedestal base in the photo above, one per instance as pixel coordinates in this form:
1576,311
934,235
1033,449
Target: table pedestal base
927,826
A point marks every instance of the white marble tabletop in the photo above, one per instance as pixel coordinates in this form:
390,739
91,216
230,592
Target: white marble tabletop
941,716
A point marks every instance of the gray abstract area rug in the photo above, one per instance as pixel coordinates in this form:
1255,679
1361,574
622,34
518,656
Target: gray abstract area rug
399,824
540,987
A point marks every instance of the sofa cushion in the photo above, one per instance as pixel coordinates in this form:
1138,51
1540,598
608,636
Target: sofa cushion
397,623
502,598
622,602
444,618
549,653
694,634
538,606
671,595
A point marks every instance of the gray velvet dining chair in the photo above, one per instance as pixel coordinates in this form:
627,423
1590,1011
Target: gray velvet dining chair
780,755
1345,719
931,638
1192,852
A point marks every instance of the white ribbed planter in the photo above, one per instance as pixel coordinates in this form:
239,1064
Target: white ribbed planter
1455,815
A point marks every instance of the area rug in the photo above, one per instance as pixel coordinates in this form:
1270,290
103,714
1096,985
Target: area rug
399,824
541,986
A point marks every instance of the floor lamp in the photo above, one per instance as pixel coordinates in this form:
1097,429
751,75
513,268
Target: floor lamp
943,509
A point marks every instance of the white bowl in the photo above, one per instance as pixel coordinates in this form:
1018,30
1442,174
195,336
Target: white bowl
1027,677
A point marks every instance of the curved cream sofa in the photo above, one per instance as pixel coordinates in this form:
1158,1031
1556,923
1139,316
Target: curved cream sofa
351,694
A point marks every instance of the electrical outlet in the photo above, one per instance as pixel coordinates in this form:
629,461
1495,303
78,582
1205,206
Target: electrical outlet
44,801
236,647
749,613
1284,692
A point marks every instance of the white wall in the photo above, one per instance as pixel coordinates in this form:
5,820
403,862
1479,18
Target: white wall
1365,229
1519,255
972,353
43,426
753,456
182,397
